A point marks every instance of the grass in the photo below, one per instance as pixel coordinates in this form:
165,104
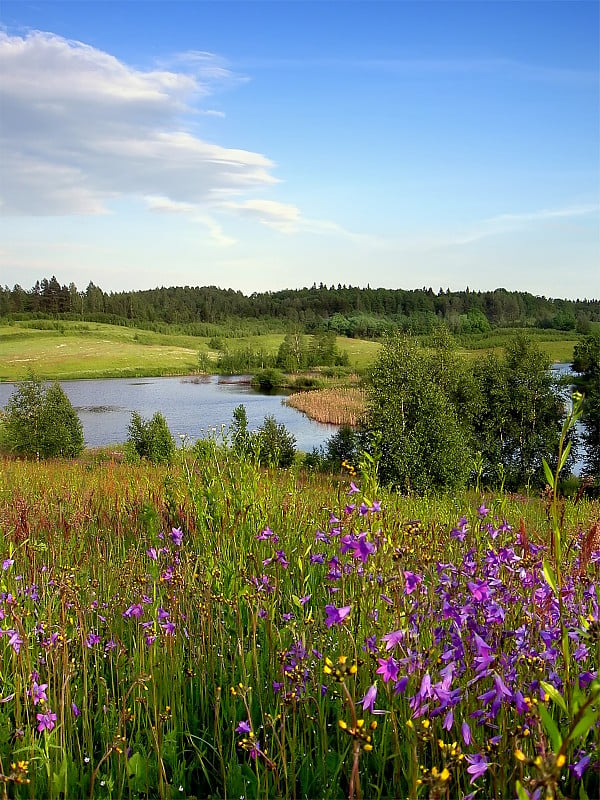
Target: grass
211,629
69,350
338,406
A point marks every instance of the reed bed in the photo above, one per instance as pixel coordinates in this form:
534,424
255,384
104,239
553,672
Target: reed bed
212,629
339,406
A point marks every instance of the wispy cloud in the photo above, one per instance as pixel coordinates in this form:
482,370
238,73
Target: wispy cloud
79,128
418,66
505,223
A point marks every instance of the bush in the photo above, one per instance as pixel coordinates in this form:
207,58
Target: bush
306,383
268,380
342,446
276,445
151,439
40,421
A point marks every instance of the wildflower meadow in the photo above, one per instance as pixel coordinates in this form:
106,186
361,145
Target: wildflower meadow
215,629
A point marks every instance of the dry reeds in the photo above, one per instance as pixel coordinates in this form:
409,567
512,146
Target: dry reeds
341,406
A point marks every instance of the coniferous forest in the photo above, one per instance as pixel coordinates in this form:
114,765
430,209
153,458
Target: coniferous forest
346,310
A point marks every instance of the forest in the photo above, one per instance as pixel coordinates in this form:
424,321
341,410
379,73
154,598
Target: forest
345,310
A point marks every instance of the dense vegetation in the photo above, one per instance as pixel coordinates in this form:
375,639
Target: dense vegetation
212,629
345,310
217,621
40,421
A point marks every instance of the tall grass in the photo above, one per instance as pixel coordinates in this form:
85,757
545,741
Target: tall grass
339,406
218,630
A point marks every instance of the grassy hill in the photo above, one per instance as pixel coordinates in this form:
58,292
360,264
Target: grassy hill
66,350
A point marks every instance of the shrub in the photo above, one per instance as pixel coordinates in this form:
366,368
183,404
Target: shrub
40,421
268,380
151,439
276,445
342,446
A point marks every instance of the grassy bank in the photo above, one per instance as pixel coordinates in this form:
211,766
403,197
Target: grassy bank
215,630
69,350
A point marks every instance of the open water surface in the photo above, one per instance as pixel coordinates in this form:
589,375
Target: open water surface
193,407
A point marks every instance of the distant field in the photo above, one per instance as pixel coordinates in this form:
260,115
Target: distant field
91,352
69,350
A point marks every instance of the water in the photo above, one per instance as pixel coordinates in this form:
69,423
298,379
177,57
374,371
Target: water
193,407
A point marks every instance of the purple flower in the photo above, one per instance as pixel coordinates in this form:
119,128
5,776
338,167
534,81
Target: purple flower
362,548
478,765
466,733
479,589
7,563
92,639
335,616
368,701
580,767
412,581
134,610
482,511
353,488
388,668
38,692
75,710
46,721
392,639
304,600
15,640
152,553
255,751
176,536
243,727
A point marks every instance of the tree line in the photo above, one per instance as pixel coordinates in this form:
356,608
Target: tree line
344,310
436,421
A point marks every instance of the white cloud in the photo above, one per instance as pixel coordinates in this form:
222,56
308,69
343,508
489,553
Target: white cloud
505,223
80,128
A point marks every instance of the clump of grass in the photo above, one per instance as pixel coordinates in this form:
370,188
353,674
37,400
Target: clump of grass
336,406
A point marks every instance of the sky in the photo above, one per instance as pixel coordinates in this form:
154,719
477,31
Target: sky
268,145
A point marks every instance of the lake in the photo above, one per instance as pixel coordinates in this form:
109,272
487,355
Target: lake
195,407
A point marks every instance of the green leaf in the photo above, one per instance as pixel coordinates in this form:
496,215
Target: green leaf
521,793
584,725
59,779
554,694
549,576
551,727
137,770
548,473
564,456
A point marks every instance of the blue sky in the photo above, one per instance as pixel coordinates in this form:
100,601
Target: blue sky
269,145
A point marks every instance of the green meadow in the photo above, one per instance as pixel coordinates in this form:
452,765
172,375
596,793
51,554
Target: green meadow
71,350
214,629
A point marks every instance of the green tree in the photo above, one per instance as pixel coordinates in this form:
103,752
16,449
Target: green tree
240,435
291,356
276,446
520,413
586,362
412,411
151,439
40,421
